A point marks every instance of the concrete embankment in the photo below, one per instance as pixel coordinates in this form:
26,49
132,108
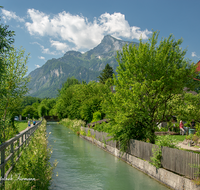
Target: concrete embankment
168,178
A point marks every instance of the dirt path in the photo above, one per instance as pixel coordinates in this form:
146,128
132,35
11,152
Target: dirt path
181,145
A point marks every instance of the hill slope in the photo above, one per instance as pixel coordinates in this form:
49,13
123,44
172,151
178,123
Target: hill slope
47,79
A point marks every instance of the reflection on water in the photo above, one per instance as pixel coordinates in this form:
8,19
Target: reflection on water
83,166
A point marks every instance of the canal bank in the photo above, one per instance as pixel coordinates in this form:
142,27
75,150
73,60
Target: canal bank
83,166
168,178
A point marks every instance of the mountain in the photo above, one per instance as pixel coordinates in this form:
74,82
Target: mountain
46,80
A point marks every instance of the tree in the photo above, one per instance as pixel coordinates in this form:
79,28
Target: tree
6,39
70,81
80,101
106,74
148,78
13,85
31,111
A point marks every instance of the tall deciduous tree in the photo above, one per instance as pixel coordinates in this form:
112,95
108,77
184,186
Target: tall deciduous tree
13,84
70,81
148,78
6,39
106,74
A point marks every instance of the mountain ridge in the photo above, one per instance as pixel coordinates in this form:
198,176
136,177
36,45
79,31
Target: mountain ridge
84,66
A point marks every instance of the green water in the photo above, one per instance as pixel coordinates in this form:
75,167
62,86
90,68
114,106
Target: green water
83,166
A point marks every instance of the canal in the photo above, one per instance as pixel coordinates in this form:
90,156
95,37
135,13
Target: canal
83,166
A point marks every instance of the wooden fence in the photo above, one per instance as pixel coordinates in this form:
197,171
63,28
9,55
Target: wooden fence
141,149
11,150
101,136
178,161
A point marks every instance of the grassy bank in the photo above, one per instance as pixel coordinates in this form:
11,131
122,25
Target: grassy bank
21,125
74,125
33,164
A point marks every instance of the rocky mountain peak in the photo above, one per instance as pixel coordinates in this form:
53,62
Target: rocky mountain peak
108,39
72,53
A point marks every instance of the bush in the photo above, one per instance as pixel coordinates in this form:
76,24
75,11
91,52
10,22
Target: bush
96,116
197,128
156,158
166,140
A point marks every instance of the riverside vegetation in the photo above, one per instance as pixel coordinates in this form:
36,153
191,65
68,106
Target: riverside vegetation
33,163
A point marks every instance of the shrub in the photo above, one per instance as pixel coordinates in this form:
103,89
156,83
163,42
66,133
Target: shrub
96,116
166,140
156,158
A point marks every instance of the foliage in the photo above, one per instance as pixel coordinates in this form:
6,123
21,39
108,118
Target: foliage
144,91
80,101
188,109
197,128
6,38
164,129
74,125
13,85
70,82
42,110
104,127
33,163
166,140
106,74
96,116
156,158
89,133
28,101
82,132
31,111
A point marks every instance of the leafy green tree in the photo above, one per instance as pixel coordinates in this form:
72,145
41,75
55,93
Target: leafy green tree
30,110
106,74
42,110
187,108
80,101
70,81
6,39
13,85
148,78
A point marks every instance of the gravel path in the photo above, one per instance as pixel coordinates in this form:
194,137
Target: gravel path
181,145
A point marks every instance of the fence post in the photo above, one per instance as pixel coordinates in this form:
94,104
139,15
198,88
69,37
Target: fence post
18,147
25,138
12,151
2,169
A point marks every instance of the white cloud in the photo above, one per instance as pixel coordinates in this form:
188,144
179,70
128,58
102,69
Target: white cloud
37,66
45,50
41,57
77,30
194,54
59,46
8,15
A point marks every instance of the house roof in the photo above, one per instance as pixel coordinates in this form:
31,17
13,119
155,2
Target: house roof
198,66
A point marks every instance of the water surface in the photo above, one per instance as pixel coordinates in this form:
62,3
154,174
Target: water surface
83,166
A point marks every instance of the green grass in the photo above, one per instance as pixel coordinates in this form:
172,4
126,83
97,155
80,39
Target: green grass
178,137
21,125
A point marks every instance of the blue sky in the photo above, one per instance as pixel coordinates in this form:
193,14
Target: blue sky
47,29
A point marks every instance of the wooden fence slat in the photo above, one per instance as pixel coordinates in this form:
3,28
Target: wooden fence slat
20,140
